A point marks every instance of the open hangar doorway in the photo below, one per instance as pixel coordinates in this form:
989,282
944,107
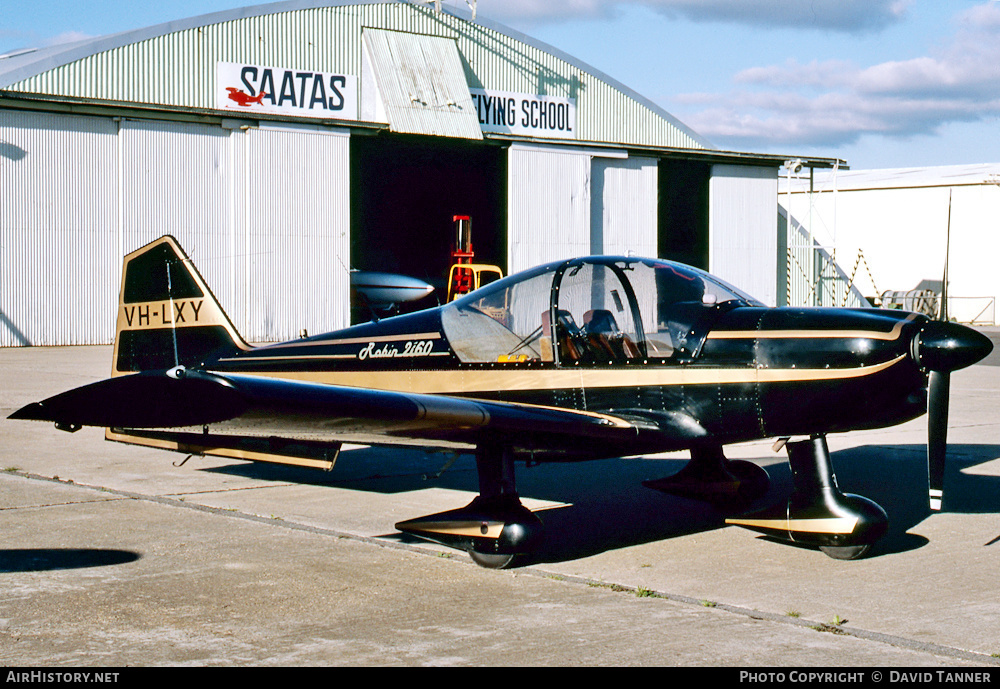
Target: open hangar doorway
682,233
405,193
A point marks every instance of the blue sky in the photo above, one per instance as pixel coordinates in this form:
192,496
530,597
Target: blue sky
879,83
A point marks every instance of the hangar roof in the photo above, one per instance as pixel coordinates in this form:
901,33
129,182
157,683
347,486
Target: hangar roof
176,66
975,174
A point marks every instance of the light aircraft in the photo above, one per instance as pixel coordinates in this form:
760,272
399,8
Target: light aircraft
580,359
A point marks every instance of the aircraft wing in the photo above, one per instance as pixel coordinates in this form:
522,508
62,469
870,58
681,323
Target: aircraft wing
200,406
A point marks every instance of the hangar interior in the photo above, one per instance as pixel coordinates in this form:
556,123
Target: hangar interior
405,193
286,144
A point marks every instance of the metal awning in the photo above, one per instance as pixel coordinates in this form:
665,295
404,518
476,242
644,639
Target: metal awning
421,85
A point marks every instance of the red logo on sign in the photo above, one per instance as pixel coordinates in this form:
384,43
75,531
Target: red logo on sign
243,98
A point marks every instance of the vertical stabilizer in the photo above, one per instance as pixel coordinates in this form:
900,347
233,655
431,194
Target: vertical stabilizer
167,315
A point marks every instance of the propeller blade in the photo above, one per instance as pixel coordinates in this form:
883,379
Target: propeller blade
942,347
937,435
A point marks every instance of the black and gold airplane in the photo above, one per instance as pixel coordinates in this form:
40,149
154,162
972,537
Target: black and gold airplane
579,359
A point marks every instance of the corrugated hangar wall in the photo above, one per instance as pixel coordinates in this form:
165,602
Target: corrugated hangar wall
95,188
743,228
264,203
566,202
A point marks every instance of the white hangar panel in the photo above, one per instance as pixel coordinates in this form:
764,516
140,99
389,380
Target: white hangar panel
298,232
566,202
548,214
261,212
178,178
623,206
264,214
743,228
59,265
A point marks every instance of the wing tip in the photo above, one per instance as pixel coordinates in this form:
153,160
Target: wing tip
36,411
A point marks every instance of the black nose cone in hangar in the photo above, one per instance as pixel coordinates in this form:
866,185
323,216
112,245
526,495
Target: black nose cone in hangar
943,346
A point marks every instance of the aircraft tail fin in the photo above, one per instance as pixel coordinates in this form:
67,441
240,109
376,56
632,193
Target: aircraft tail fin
167,315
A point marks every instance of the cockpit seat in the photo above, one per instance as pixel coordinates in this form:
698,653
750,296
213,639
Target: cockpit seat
606,340
569,335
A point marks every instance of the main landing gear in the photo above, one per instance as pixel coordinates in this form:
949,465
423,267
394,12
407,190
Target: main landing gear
728,485
495,528
844,526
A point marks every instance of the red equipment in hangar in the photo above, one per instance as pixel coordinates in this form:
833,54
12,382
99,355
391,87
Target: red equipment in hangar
465,275
461,254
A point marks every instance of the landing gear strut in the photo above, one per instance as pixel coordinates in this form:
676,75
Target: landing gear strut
844,526
495,528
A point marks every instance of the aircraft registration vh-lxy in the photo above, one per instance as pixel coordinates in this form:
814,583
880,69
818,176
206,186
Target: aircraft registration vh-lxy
589,358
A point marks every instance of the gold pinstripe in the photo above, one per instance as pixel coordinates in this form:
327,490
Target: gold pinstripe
831,525
807,334
477,381
455,528
358,340
231,453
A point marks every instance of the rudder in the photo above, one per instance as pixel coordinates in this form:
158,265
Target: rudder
167,315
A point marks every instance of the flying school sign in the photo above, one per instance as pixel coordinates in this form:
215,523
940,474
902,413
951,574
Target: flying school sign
282,91
505,112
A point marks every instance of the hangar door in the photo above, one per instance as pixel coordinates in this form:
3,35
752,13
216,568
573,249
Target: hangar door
297,231
565,202
262,212
58,241
743,228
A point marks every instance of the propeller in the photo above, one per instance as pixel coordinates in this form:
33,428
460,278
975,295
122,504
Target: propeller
940,348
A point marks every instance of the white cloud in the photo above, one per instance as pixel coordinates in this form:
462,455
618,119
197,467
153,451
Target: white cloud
851,16
836,102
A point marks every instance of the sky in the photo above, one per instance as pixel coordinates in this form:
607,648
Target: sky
878,83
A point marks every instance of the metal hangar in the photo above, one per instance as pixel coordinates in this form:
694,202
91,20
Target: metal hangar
285,144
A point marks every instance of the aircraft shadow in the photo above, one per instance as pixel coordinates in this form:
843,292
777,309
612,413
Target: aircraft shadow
45,559
603,506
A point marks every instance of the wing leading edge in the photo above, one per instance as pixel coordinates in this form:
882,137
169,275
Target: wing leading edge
235,405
